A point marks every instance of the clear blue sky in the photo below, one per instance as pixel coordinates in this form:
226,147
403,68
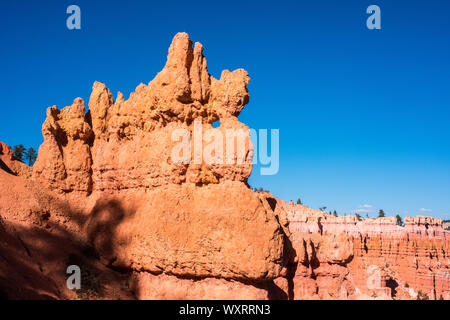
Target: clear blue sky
363,114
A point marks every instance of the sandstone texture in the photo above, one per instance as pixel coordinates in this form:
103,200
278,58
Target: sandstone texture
106,194
446,225
36,247
378,258
151,287
107,176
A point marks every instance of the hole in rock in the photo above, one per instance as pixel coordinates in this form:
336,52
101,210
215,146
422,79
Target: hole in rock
216,124
392,284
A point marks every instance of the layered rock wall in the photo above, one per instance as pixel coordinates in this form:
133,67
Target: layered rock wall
387,260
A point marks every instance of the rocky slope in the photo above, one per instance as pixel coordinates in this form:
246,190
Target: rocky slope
106,194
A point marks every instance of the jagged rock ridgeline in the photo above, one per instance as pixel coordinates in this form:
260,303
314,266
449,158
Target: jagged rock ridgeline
105,194
127,144
190,220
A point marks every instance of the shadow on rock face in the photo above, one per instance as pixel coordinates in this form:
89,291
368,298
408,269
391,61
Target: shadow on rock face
392,284
4,167
289,254
34,257
101,227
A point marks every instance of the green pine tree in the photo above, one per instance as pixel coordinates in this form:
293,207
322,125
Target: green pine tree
18,152
399,220
31,156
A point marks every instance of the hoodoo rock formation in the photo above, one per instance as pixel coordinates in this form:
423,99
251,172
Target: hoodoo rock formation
106,194
145,213
369,258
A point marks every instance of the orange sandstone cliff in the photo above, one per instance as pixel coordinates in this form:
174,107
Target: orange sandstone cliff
106,195
369,258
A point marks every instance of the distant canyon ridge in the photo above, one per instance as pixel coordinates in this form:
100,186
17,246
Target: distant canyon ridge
104,195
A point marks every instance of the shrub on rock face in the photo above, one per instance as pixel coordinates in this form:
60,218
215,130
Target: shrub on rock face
399,220
422,296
